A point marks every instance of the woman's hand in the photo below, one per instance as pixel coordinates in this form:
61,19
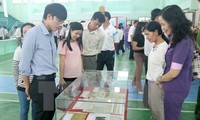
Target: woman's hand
159,83
27,93
62,82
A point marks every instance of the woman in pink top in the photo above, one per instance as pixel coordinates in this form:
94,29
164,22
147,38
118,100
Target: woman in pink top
69,51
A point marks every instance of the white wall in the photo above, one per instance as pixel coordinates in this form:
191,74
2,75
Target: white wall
79,10
83,10
184,4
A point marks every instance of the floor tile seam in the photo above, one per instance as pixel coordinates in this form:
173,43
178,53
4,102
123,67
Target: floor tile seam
5,61
146,109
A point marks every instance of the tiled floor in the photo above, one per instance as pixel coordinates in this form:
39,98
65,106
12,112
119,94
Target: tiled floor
9,105
7,86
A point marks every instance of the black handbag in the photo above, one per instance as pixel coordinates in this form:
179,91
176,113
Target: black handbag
60,88
63,87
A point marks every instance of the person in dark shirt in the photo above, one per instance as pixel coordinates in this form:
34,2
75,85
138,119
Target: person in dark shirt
138,48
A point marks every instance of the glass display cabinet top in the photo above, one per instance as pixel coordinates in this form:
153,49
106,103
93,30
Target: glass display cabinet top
97,86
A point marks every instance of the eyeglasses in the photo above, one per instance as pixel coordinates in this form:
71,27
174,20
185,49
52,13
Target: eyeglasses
57,19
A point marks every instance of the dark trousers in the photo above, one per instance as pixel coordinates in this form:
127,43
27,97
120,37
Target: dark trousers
145,95
69,81
120,47
43,92
106,58
89,62
146,64
197,107
131,52
56,41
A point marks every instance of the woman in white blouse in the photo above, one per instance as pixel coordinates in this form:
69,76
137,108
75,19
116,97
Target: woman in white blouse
156,64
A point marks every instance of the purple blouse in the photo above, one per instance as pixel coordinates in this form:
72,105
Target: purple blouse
180,57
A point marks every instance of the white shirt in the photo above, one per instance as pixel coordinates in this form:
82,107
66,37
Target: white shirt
66,33
121,33
17,53
92,41
111,37
131,33
147,46
63,31
17,33
156,61
1,32
5,32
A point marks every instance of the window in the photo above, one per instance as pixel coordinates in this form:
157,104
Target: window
17,1
63,1
92,0
32,1
43,1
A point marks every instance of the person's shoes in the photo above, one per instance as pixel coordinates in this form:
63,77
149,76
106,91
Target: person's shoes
141,92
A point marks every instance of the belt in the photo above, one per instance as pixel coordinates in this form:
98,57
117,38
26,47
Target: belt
89,55
151,81
107,51
45,77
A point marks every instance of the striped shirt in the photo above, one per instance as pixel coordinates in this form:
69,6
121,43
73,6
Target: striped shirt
17,77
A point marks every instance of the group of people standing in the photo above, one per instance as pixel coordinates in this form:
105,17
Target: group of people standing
169,70
89,47
92,47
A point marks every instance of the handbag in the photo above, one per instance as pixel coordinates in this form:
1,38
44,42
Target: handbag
60,88
63,87
196,65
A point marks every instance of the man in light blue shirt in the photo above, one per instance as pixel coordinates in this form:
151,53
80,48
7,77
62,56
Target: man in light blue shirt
39,58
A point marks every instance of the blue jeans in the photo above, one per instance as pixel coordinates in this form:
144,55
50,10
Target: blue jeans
24,106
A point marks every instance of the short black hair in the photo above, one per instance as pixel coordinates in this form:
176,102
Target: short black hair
107,14
153,26
120,26
55,9
99,16
155,13
135,21
26,24
19,40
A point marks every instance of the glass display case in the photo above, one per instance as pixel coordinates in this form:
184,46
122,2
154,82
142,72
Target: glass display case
95,95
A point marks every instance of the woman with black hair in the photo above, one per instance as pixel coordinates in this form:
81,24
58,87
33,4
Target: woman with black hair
178,71
23,101
69,51
156,63
138,48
